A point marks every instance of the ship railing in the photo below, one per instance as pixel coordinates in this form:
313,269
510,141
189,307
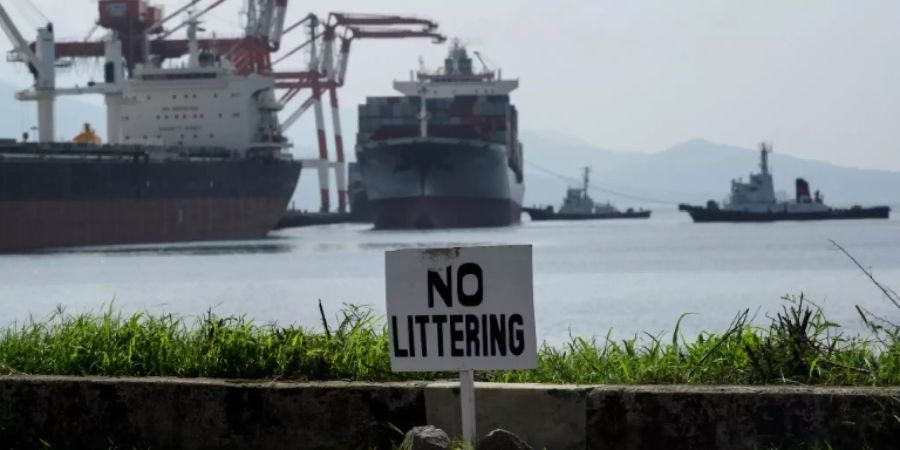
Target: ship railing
78,150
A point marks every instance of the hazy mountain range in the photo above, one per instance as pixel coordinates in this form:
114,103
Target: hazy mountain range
693,171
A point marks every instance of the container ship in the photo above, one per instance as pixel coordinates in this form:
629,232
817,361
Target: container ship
194,151
446,153
754,201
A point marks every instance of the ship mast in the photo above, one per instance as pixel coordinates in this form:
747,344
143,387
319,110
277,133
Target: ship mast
423,114
764,149
586,177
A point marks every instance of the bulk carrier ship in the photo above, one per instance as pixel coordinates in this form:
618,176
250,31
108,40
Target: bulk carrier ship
194,151
446,154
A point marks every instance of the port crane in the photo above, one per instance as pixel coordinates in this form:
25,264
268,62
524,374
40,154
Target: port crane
140,33
327,71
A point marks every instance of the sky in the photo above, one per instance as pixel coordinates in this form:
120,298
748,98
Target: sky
820,79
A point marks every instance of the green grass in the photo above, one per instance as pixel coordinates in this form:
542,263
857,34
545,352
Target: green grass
799,346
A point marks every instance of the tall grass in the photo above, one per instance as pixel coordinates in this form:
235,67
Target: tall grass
799,346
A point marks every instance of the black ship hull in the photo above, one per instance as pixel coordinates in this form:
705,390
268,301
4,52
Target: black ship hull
539,214
440,183
705,214
51,199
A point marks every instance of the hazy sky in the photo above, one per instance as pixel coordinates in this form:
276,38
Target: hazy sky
819,78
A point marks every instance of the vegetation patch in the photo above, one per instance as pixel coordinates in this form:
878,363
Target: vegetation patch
799,346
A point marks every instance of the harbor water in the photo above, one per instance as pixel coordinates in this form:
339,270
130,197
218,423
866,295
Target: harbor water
627,276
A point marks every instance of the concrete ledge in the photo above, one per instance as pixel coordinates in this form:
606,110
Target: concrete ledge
163,413
76,412
546,416
737,417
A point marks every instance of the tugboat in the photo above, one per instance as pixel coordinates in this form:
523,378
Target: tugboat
578,205
754,201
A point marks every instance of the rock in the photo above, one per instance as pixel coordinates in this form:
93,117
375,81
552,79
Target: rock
500,439
426,438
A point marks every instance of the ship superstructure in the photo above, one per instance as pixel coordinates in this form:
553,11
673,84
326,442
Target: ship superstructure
446,153
202,104
754,200
579,201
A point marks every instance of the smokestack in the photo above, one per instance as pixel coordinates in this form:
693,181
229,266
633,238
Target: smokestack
802,191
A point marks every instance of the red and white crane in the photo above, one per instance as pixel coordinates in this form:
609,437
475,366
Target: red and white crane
327,71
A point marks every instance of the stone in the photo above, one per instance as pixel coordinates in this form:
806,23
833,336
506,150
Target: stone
501,439
426,438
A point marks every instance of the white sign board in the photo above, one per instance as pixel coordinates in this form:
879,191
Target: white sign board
458,309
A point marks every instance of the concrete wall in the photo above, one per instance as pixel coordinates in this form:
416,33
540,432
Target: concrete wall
71,412
88,413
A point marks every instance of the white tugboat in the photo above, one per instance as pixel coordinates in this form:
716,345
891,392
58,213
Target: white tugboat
754,201
578,205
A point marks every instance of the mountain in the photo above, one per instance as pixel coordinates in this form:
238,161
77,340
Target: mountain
694,171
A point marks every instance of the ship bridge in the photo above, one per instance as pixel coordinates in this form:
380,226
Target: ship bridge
456,78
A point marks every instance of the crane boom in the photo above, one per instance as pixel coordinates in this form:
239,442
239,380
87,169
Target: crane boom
194,17
163,21
379,20
20,45
277,30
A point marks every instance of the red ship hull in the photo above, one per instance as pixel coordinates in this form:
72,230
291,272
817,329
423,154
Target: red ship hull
54,224
51,198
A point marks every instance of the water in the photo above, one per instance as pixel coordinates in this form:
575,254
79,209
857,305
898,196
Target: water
590,277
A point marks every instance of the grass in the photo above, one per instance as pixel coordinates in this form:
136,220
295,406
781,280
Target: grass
799,346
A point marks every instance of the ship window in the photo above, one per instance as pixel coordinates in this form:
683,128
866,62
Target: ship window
220,115
211,135
195,116
216,95
195,95
148,97
145,137
234,94
195,136
174,97
167,117
201,116
127,138
185,96
236,115
157,117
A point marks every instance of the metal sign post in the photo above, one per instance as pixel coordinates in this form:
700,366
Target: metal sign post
461,309
467,404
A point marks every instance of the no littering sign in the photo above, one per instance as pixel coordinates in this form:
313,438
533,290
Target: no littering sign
468,308
461,309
